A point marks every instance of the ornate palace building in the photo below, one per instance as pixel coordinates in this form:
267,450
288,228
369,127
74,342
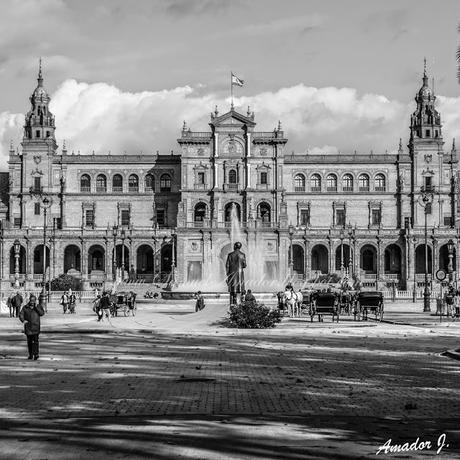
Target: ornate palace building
158,216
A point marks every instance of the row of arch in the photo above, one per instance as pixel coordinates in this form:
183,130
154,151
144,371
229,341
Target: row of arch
232,210
117,183
347,181
393,261
96,254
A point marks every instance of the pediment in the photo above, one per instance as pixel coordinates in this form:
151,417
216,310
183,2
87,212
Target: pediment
232,118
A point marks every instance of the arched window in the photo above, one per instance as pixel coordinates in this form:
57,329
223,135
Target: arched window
263,212
101,183
380,183
149,183
85,183
133,183
165,183
232,177
315,183
363,183
200,212
299,183
347,183
117,183
331,183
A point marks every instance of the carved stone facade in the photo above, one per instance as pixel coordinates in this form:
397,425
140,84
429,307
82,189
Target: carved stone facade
302,214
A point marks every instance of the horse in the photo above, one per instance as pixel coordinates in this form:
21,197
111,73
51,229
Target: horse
293,300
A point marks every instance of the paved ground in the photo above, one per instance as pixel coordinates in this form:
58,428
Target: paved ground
173,384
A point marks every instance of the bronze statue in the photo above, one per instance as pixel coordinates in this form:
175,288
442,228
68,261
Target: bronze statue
236,262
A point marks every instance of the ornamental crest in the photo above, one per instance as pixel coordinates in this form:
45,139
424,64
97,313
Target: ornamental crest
428,157
37,159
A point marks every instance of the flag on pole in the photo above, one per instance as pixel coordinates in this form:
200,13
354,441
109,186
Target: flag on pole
237,81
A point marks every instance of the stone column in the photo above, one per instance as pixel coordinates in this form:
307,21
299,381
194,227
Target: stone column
307,258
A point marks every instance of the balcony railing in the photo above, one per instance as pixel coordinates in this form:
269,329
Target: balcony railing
347,189
331,189
315,189
200,186
101,189
363,189
85,189
299,189
231,187
380,189
117,188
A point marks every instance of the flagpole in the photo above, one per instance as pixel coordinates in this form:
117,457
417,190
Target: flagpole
231,88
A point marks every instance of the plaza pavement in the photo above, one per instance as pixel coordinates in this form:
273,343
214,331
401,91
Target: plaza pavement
170,383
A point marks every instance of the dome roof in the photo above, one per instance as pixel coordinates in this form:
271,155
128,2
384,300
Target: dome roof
40,92
425,90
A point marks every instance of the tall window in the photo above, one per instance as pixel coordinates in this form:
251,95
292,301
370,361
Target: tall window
363,183
376,217
117,183
347,183
37,209
340,217
304,217
165,183
89,218
149,183
133,183
315,183
380,183
264,212
264,178
125,217
161,217
232,176
299,183
331,181
200,212
101,183
200,177
85,183
428,182
37,184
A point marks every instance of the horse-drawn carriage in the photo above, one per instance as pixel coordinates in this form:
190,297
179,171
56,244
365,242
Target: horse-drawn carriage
123,302
325,303
370,301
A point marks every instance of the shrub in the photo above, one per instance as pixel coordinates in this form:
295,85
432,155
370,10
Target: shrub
251,315
65,282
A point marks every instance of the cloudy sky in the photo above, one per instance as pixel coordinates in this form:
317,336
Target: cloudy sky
124,74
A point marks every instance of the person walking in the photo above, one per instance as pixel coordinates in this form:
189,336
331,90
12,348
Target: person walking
199,304
16,303
30,316
65,302
104,305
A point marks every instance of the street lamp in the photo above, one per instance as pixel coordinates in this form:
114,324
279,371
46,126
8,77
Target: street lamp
427,196
350,236
450,266
123,236
17,249
114,257
173,264
46,203
291,250
341,251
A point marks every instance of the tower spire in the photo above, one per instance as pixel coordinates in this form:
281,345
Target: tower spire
40,76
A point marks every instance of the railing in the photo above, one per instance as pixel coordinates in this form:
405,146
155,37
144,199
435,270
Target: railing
331,189
315,189
196,134
200,186
262,186
299,189
363,189
232,187
347,189
392,276
85,189
101,189
133,189
117,188
380,189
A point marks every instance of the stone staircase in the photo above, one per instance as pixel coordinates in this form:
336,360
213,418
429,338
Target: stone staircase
139,288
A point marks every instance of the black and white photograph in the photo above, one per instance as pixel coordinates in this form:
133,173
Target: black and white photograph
229,229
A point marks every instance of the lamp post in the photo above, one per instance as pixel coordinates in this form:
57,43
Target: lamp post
341,251
46,203
17,249
114,257
427,195
173,262
450,266
123,236
350,236
291,250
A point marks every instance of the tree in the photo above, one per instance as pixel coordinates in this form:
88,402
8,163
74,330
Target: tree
65,282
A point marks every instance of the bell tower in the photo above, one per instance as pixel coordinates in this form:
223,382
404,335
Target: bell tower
430,165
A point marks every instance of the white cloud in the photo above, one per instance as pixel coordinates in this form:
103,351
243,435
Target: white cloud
101,117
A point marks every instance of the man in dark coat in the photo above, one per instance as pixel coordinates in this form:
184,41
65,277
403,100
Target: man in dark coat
16,303
30,316
236,262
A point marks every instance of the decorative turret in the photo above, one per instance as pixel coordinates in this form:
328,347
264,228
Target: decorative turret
426,120
39,120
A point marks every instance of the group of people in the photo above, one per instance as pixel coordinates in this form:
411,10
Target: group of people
68,302
452,302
